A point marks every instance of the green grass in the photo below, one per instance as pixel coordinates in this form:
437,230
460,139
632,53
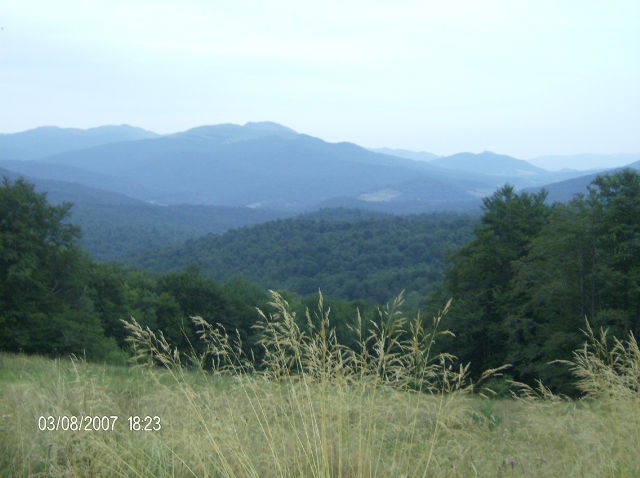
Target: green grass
315,409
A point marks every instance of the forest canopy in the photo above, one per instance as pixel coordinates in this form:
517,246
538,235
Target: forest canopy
524,285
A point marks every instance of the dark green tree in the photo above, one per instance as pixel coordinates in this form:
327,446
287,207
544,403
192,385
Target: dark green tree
45,305
197,295
615,203
108,290
480,274
583,263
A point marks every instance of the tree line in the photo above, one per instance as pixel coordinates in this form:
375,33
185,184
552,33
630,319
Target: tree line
533,272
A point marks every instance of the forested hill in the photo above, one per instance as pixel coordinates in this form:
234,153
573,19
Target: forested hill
370,259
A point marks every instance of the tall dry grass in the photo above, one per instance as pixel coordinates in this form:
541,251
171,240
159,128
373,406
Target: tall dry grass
318,407
607,368
387,408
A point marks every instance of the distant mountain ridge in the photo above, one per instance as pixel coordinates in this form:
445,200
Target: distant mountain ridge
585,162
258,164
49,140
228,132
264,165
134,189
70,174
564,191
405,153
487,163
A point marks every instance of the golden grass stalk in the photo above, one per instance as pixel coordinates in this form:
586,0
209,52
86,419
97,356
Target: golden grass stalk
323,396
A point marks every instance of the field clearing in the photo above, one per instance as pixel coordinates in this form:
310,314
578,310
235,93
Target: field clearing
250,426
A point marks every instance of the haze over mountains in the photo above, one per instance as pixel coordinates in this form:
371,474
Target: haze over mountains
114,225
48,140
241,175
558,162
405,153
564,191
585,162
256,165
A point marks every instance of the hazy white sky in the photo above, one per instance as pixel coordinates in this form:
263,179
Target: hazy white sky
517,77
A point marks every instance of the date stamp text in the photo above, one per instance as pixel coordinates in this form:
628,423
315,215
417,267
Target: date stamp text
89,423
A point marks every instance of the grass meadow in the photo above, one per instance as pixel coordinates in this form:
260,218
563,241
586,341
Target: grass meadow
316,409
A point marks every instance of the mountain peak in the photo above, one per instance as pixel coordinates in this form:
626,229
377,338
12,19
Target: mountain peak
268,126
234,132
487,162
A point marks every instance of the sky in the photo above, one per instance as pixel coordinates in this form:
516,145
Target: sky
518,77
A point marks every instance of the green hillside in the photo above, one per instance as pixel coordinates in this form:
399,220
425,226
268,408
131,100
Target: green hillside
371,259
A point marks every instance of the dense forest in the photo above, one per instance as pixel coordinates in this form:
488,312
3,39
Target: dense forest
342,253
524,285
55,299
522,281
